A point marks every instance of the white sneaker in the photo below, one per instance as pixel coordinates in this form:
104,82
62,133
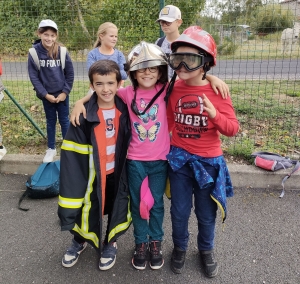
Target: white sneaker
50,154
2,152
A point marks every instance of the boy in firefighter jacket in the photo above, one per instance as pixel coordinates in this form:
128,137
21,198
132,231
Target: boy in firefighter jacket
93,179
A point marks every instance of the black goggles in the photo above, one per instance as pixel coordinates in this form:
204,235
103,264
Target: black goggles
191,61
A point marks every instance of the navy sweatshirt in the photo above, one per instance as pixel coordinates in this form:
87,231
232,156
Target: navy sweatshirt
50,79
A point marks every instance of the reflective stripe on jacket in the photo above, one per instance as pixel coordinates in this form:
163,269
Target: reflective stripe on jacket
80,203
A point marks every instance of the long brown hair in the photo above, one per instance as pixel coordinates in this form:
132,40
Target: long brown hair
53,51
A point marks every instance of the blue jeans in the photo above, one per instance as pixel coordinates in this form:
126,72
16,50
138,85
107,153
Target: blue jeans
183,185
144,230
62,110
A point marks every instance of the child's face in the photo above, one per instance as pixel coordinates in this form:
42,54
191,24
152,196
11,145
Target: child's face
110,38
106,87
147,77
48,38
169,28
191,77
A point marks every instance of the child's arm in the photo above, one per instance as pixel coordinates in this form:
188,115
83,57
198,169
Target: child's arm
79,108
223,118
218,84
69,75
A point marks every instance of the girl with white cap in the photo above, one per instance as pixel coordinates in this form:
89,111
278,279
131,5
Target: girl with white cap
51,82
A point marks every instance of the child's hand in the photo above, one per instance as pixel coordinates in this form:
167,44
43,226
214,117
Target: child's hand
77,110
50,98
209,107
61,97
219,85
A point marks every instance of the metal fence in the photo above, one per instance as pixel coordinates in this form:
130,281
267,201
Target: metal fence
263,81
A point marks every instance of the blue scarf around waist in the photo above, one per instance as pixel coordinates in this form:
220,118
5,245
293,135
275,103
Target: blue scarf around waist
178,157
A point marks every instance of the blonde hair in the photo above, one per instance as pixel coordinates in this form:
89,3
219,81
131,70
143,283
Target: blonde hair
53,51
102,31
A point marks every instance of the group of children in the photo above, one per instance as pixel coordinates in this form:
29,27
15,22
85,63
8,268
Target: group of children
123,138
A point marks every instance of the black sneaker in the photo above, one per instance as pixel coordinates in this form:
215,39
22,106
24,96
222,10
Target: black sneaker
139,256
72,254
177,260
210,266
156,259
108,256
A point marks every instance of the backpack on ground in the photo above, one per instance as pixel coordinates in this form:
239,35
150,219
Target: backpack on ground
274,162
63,52
44,183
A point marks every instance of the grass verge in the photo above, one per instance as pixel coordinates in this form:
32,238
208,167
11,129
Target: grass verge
268,112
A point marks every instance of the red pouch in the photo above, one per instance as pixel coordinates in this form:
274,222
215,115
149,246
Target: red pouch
265,164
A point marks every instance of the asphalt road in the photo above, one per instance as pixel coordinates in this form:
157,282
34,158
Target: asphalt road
225,69
260,243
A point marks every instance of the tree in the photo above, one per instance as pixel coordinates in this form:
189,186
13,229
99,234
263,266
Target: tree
272,18
78,20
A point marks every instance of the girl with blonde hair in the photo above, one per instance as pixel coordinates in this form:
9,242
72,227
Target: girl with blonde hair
104,48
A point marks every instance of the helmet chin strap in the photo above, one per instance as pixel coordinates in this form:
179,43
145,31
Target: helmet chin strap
206,68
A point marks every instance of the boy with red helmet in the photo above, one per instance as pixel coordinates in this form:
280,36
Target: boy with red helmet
196,118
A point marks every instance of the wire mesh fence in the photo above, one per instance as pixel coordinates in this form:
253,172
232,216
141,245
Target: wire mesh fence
261,72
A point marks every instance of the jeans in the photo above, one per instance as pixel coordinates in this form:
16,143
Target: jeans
156,171
183,185
62,110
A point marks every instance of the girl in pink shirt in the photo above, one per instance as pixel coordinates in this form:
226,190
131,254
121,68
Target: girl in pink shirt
148,148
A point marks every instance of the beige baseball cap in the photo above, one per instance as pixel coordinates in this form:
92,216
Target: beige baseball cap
169,13
48,23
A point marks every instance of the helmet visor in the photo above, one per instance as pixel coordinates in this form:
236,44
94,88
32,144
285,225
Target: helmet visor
191,61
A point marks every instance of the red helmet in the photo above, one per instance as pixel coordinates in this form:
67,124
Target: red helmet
198,38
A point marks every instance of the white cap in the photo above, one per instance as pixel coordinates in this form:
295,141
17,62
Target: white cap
169,13
48,23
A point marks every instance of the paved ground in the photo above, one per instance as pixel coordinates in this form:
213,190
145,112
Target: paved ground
260,243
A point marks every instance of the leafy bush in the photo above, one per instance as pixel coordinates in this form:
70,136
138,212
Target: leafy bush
271,18
228,47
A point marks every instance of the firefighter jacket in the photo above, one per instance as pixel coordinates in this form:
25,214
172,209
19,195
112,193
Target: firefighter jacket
83,177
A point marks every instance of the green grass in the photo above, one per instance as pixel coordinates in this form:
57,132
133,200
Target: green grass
268,112
269,116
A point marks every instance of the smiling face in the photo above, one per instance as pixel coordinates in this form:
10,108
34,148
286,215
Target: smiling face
109,38
106,87
148,78
48,38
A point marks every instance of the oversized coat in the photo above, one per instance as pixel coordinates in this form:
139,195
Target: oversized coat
83,177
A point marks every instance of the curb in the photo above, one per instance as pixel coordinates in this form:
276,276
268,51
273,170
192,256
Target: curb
242,176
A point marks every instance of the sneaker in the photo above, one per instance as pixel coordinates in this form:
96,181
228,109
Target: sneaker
108,256
210,266
71,256
156,259
50,154
177,260
2,152
139,256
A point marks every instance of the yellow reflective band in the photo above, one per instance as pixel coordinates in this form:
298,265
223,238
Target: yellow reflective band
86,235
221,208
70,202
123,226
87,198
76,147
83,230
